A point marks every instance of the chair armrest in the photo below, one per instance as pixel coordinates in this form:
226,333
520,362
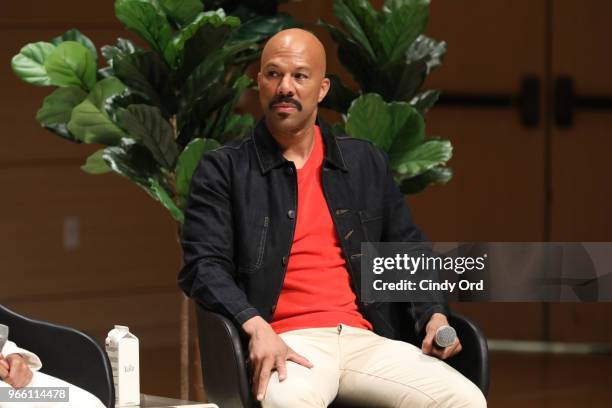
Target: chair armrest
473,360
223,361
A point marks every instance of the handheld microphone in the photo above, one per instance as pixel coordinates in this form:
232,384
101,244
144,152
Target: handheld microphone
445,336
4,332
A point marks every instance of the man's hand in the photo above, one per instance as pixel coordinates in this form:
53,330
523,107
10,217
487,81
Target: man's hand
437,320
4,368
15,371
268,351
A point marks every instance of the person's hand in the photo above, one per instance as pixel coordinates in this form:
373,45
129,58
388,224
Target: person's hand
15,371
437,320
4,368
267,351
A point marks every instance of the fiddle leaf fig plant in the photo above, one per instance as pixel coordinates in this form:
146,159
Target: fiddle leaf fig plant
154,111
389,58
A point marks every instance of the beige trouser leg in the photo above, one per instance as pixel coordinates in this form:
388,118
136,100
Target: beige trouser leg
363,368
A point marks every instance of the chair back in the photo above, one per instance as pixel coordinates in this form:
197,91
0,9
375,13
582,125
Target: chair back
65,353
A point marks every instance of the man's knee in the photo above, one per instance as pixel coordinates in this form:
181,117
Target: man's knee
464,394
295,394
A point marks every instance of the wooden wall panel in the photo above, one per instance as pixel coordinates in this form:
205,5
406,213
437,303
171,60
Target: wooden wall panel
496,193
150,314
126,240
37,13
491,44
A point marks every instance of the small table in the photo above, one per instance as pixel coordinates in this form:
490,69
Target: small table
153,401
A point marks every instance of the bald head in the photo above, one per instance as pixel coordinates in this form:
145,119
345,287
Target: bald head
292,80
296,41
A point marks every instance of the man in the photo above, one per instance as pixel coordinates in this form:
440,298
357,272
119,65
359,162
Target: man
19,368
272,238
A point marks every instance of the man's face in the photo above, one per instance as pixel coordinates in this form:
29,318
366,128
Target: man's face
291,84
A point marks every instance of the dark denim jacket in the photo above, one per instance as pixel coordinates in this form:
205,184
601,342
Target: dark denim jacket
241,215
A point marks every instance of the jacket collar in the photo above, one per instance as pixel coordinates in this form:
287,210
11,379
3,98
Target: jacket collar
270,156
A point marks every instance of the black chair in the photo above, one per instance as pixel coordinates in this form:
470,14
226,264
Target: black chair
224,367
65,353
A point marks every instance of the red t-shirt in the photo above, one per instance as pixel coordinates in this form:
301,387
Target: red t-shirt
316,291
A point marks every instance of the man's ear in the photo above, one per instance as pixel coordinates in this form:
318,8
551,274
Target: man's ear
325,84
259,79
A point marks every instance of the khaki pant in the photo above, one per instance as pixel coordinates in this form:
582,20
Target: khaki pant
365,369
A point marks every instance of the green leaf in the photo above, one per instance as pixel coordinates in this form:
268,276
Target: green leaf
213,19
202,38
90,123
260,28
187,163
425,100
160,194
237,125
104,90
207,73
95,164
402,81
29,64
428,50
71,64
250,35
133,161
401,28
390,6
368,19
339,97
145,72
353,56
116,103
146,124
220,128
352,24
122,48
413,185
423,157
370,118
57,107
56,110
181,12
75,35
149,23
411,131
192,118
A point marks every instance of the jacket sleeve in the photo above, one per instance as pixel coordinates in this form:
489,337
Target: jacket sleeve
399,227
31,359
207,239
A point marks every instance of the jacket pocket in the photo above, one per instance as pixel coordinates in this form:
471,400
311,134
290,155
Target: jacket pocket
372,223
253,247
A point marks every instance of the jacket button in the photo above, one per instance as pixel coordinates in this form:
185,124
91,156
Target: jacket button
289,170
285,260
291,214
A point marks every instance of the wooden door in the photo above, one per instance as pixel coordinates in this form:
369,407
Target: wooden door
581,162
498,189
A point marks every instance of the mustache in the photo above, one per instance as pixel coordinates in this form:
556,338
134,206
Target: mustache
285,99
